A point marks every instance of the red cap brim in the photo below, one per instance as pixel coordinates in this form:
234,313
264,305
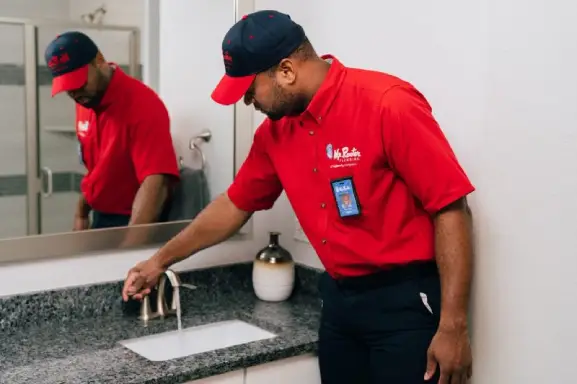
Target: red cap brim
231,89
70,81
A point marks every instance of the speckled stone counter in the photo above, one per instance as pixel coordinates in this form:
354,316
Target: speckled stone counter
71,336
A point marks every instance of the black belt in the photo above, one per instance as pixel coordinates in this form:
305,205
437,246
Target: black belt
393,275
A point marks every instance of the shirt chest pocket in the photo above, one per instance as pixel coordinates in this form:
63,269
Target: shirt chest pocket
364,174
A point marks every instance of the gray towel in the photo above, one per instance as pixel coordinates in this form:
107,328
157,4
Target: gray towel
191,195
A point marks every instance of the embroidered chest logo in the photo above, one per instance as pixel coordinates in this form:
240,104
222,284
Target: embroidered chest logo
82,127
343,157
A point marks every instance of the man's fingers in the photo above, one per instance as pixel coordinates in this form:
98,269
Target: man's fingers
458,377
431,366
444,378
140,295
130,284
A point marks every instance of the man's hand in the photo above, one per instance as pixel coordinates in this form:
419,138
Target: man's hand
81,223
141,278
217,222
451,350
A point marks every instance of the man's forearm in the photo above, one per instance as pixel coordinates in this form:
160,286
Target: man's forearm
216,223
82,208
149,200
454,252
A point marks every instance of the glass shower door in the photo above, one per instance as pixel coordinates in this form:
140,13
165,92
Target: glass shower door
17,219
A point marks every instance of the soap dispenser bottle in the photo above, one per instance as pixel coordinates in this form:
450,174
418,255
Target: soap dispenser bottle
273,273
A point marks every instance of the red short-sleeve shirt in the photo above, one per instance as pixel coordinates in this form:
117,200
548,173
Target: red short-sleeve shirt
378,130
124,140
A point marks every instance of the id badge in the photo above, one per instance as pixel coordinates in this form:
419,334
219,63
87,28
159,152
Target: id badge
81,154
346,198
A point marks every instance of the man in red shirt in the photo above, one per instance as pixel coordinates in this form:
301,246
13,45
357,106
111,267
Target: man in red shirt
377,190
123,130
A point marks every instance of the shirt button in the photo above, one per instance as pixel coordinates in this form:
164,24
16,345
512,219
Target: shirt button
315,170
311,133
319,118
324,241
323,205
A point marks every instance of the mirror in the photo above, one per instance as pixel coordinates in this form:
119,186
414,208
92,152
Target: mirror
55,152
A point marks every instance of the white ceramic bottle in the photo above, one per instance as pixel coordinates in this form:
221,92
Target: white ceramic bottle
273,272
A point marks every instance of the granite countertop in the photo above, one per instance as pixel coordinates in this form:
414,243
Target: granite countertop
81,345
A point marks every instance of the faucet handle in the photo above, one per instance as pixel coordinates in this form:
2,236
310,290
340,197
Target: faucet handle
176,295
145,310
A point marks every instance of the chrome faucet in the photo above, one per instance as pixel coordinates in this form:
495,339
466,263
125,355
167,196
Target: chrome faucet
162,308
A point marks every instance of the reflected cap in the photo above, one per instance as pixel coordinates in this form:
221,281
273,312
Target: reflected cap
68,57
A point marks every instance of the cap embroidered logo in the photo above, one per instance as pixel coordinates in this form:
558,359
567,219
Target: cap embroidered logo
57,62
227,59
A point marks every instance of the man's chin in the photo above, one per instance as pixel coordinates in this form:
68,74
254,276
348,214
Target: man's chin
89,104
274,116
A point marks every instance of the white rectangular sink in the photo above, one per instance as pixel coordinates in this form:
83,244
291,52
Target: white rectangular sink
193,340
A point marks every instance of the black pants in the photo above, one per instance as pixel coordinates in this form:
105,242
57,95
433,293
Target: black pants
376,329
111,220
108,220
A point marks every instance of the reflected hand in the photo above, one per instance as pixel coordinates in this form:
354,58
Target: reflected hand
81,223
136,236
141,278
451,351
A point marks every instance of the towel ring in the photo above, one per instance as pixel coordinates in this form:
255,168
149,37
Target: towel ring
194,147
205,137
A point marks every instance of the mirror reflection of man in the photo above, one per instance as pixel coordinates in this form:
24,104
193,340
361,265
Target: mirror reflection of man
123,130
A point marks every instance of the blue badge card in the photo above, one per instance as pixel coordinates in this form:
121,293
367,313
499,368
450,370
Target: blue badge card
80,154
346,197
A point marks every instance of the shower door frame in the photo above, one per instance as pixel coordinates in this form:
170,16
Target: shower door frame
34,171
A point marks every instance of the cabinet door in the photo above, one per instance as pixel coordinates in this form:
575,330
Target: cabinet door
235,377
300,369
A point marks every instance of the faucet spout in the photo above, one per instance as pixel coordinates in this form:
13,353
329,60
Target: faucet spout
162,308
162,305
173,278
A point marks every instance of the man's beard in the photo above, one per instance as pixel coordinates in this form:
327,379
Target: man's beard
295,107
91,102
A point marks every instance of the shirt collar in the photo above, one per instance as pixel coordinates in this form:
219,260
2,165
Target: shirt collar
324,97
115,84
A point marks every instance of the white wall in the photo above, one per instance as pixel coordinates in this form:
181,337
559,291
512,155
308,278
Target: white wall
190,67
114,44
500,75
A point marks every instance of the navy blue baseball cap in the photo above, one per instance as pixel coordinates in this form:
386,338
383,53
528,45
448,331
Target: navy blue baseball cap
254,44
68,57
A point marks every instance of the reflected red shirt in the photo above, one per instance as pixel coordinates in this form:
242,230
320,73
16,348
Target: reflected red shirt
121,143
377,129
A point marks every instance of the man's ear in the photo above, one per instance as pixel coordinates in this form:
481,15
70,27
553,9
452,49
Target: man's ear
286,72
99,59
